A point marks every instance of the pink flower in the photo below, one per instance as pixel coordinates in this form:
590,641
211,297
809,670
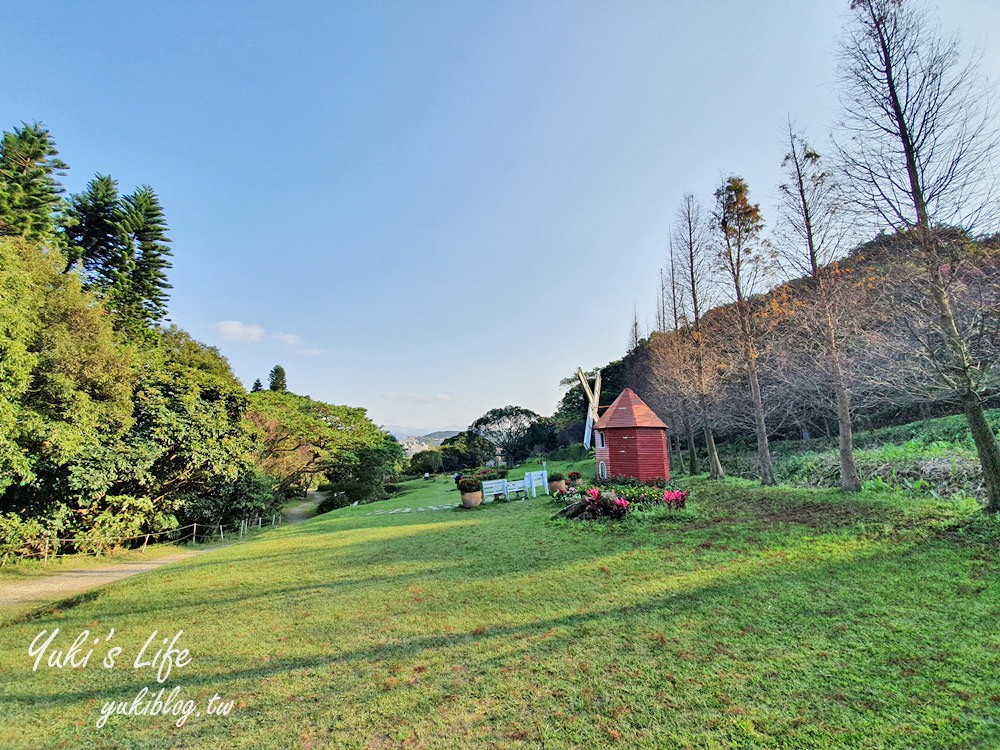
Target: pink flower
594,493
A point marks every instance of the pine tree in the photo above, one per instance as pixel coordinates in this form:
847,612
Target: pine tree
94,231
276,379
29,190
147,230
257,386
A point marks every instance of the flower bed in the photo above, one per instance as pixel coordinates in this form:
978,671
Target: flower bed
617,501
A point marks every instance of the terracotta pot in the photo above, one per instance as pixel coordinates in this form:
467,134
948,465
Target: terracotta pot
472,499
559,485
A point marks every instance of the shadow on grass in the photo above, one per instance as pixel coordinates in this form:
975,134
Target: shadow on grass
722,593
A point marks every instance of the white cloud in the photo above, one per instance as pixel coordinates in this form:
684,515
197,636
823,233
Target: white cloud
288,339
234,330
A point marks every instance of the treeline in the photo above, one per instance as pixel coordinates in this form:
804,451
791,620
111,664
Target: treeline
111,424
907,322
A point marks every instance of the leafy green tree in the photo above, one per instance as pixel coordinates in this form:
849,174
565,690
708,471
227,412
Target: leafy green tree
465,450
429,461
360,473
507,428
276,379
300,438
29,190
149,256
93,231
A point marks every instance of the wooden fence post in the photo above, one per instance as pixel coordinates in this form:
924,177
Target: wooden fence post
194,534
221,535
46,553
144,543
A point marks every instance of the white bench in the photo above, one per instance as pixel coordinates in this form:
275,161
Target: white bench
517,486
494,487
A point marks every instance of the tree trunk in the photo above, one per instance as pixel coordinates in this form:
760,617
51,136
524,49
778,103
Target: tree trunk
692,448
986,447
849,480
714,465
763,451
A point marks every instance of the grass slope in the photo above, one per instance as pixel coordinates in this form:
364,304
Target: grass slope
776,618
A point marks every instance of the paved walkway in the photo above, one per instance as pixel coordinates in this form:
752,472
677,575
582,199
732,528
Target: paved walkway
19,596
39,590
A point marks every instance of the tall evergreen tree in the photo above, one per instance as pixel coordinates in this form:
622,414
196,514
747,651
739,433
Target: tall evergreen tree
94,231
150,252
257,386
276,379
29,190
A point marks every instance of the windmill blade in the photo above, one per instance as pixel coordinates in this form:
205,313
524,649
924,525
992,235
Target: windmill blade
587,431
586,386
597,395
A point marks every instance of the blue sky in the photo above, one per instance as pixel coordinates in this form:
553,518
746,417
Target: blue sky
427,208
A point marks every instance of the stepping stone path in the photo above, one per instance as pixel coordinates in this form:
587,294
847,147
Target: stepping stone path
411,510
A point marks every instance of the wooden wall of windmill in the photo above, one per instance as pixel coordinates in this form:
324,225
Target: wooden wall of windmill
631,441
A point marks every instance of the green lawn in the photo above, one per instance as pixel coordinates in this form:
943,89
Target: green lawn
757,619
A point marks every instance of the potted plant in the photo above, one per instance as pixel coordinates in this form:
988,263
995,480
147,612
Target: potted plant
574,478
557,483
472,492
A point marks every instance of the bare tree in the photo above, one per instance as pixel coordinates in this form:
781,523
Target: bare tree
920,154
743,256
814,234
690,275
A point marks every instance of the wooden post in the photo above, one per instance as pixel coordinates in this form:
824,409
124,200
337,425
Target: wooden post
221,535
272,520
194,534
46,552
260,522
144,543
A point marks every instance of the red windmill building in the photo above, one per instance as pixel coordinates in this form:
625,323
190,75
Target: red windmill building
631,441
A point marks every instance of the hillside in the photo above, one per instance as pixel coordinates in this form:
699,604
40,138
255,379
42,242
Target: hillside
756,618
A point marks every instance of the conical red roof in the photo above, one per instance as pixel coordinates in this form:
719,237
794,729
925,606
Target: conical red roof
628,410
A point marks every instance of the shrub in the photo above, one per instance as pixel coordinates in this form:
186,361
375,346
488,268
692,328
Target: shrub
332,501
574,476
469,484
556,477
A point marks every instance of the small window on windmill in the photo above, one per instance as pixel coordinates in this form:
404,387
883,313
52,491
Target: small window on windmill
600,440
602,470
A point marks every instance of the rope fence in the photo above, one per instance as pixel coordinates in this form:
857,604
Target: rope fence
193,534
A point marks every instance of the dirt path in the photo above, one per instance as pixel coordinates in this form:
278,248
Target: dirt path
18,597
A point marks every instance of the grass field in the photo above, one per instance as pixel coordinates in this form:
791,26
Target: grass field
779,618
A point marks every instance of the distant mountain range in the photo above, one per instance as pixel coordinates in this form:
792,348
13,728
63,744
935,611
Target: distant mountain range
431,433
416,443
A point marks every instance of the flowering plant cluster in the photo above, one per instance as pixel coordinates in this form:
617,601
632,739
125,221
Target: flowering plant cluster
487,474
676,499
605,504
574,476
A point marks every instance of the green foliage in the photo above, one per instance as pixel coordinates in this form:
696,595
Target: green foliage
276,380
29,191
464,451
300,438
361,472
122,248
469,484
509,430
257,386
429,461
